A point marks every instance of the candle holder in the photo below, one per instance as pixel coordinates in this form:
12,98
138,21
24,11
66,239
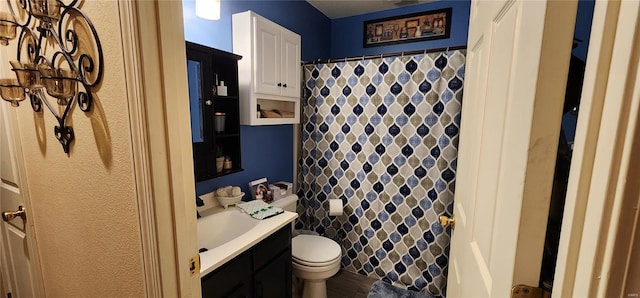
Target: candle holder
50,63
7,28
48,11
27,74
59,83
11,91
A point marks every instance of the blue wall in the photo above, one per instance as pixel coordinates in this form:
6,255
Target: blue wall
583,27
267,151
346,33
297,16
582,31
323,38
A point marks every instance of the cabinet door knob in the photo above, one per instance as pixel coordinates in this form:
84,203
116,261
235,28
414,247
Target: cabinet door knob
279,84
285,85
208,102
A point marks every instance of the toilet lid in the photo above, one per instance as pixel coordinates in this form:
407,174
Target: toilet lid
314,249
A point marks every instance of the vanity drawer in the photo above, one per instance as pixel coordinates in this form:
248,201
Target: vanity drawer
270,248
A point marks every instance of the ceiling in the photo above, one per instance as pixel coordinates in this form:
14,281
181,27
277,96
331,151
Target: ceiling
338,9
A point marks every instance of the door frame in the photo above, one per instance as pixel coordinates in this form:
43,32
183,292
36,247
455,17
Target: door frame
156,75
602,152
165,213
32,245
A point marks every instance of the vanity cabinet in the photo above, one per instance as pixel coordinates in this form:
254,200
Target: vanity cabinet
211,131
262,271
270,71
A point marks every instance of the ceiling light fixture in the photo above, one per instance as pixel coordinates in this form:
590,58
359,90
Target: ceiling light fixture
208,9
55,59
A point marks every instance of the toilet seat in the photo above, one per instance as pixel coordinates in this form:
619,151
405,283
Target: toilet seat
314,264
314,251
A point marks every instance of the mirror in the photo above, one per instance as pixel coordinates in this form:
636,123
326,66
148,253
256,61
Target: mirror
195,100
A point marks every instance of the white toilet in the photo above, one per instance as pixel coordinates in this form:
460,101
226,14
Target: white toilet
314,258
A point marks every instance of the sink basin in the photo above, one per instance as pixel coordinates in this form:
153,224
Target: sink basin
219,228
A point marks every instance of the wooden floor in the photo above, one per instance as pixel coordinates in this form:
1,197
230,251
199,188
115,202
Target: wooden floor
348,284
345,284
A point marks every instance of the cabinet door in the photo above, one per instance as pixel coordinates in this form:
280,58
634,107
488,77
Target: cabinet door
201,106
233,280
274,280
290,72
267,57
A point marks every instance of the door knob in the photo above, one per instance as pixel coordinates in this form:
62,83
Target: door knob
9,215
445,220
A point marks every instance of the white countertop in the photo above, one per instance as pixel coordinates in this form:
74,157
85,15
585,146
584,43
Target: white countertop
218,256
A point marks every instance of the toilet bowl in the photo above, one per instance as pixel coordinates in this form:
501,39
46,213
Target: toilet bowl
314,258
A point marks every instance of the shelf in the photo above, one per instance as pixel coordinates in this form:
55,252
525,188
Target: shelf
269,77
223,173
225,97
205,66
275,121
227,135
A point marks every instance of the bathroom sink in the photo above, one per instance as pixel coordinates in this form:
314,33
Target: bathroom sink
221,227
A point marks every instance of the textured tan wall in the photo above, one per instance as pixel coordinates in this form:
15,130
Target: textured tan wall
84,207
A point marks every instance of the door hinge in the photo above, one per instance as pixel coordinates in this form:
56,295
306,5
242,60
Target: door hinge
194,265
524,291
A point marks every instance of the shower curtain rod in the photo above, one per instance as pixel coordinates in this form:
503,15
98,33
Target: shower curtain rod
434,50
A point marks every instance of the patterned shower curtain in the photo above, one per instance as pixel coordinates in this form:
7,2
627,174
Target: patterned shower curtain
382,136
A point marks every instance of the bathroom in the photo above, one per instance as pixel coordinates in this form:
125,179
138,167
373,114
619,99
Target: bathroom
318,42
324,38
114,216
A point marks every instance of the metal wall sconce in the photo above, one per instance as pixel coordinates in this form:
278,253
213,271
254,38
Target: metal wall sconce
56,61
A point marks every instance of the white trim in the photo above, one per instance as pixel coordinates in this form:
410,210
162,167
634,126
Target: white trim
29,230
596,182
607,187
178,131
140,147
161,142
15,143
586,139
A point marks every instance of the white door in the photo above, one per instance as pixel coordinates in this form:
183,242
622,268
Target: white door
18,278
267,55
290,72
517,63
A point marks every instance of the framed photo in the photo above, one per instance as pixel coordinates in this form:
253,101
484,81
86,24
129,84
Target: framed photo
428,25
260,190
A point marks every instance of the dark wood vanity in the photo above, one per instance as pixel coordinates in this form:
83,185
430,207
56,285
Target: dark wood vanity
264,270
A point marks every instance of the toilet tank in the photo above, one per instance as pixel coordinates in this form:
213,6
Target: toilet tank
287,203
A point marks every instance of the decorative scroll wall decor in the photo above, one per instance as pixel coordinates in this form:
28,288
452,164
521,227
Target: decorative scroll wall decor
57,49
382,135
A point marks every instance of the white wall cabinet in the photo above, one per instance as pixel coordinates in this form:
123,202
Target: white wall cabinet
269,72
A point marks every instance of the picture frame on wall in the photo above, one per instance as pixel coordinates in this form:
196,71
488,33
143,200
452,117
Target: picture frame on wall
427,25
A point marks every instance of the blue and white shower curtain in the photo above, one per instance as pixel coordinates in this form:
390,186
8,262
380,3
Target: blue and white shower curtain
382,136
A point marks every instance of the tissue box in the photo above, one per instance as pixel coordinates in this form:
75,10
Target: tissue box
281,189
